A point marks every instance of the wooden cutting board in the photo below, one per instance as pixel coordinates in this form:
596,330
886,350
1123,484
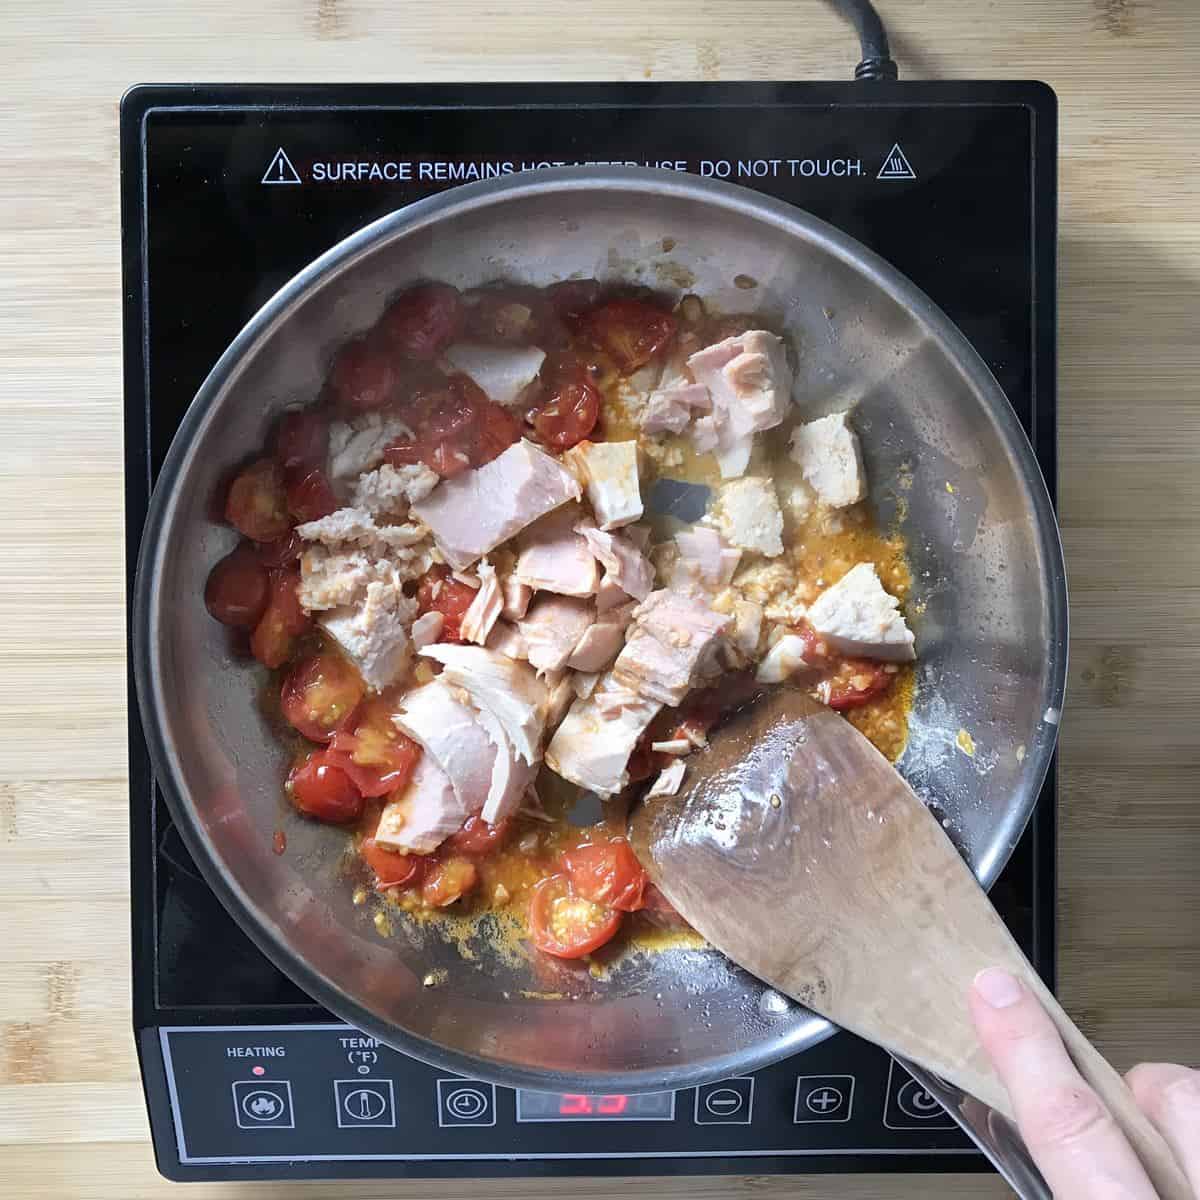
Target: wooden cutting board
72,1122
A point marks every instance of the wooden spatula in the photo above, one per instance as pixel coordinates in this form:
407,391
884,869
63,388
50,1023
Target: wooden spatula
796,849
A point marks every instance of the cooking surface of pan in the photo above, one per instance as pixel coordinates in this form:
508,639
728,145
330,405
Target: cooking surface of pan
946,459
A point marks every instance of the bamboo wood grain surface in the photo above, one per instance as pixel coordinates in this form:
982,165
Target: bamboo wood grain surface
72,1122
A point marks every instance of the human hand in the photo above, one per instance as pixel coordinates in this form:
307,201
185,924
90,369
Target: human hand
1071,1135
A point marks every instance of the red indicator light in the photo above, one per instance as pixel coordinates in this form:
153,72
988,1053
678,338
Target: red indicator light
574,1105
258,1070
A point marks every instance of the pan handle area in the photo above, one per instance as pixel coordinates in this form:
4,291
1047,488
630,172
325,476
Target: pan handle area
991,1131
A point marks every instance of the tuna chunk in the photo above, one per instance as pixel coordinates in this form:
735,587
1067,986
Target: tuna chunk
554,558
374,634
668,781
750,383
475,511
424,815
602,642
390,490
426,629
669,409
449,733
591,748
609,474
506,639
484,610
783,660
511,775
517,596
704,558
503,372
830,456
358,445
552,629
625,566
674,635
747,514
857,617
509,689
357,527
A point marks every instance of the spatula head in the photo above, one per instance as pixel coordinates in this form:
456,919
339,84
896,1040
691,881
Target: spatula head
799,851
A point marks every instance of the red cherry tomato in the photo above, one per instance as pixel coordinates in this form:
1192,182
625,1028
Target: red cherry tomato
658,910
373,752
237,589
566,925
457,427
438,592
391,868
302,439
504,316
631,331
257,505
421,322
448,880
570,413
607,873
571,298
478,837
363,377
310,496
320,789
497,429
321,695
274,637
282,552
856,681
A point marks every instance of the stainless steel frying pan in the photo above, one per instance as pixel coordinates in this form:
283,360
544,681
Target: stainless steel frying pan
946,458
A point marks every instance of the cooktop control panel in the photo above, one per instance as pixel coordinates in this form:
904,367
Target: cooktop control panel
327,1093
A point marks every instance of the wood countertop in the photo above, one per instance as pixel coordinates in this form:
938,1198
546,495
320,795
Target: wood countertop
72,1122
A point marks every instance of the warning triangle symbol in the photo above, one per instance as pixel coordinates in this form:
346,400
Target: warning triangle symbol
895,166
281,169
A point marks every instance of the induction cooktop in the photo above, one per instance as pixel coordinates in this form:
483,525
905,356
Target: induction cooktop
227,191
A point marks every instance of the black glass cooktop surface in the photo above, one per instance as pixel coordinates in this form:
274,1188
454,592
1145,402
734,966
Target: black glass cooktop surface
227,191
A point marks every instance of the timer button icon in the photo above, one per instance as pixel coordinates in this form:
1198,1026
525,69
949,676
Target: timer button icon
465,1102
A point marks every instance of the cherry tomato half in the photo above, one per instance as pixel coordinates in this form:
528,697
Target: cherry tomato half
856,681
392,869
321,694
439,592
478,837
282,552
658,910
631,331
310,495
363,377
302,439
320,789
448,880
566,925
373,752
421,322
570,413
607,873
274,637
257,505
238,588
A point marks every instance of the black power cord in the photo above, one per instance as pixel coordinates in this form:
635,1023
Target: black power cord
876,57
